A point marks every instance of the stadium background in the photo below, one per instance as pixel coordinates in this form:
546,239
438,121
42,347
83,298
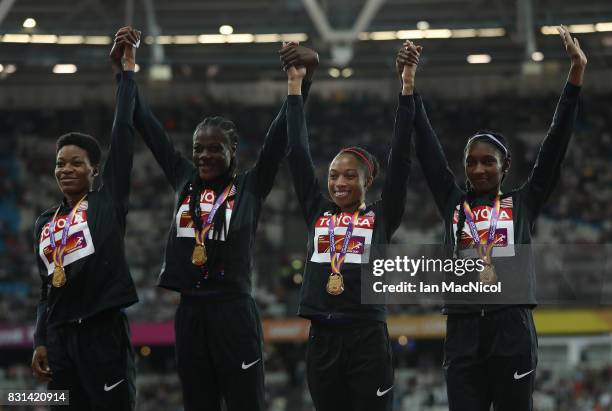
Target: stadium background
55,76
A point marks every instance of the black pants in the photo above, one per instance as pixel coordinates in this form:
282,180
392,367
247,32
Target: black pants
349,367
94,360
491,359
219,354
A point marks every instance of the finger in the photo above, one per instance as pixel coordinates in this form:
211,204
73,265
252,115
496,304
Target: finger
576,42
45,364
125,41
419,49
122,30
135,33
402,63
288,50
291,62
36,369
287,59
567,37
132,36
122,36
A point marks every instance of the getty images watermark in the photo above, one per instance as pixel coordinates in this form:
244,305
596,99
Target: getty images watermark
431,274
455,266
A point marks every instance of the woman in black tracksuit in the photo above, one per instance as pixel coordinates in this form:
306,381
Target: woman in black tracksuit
490,351
349,363
82,339
208,256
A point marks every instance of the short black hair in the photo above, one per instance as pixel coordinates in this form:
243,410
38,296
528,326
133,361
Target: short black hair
84,141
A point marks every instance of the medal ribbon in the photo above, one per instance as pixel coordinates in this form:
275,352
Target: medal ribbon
469,218
200,235
337,259
58,252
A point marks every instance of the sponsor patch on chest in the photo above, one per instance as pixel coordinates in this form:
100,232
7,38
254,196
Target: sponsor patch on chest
79,243
361,238
504,232
184,222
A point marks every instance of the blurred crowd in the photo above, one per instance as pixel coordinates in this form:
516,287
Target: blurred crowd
578,211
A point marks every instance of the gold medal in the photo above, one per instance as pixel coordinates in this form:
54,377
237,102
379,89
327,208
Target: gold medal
199,255
488,275
335,284
59,276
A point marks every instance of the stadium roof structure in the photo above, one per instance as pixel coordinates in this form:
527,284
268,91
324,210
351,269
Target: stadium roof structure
361,35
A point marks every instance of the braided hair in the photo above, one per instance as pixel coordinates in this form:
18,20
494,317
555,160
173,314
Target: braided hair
499,142
228,129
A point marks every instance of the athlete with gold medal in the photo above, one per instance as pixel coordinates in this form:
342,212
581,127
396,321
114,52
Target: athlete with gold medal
82,338
209,251
349,358
490,351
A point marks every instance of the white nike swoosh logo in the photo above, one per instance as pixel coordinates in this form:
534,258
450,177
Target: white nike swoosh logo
518,376
107,388
247,366
380,393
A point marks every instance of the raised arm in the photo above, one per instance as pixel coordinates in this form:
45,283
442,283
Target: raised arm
118,166
274,148
174,165
300,162
439,177
398,167
547,168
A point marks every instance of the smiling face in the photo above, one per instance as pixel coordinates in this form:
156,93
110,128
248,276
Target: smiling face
347,181
485,167
74,172
212,152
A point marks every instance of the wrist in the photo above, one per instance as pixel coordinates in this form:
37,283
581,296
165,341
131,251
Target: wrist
294,87
408,83
407,90
577,65
128,65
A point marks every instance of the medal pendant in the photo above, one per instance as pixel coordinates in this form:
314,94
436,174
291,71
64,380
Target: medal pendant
199,255
59,276
335,284
488,275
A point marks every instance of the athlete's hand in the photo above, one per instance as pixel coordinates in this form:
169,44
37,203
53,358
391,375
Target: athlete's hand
127,40
406,64
292,54
572,47
40,364
576,55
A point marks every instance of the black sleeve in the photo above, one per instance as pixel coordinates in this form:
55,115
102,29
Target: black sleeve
274,149
175,166
439,177
118,167
300,162
547,168
40,333
398,168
